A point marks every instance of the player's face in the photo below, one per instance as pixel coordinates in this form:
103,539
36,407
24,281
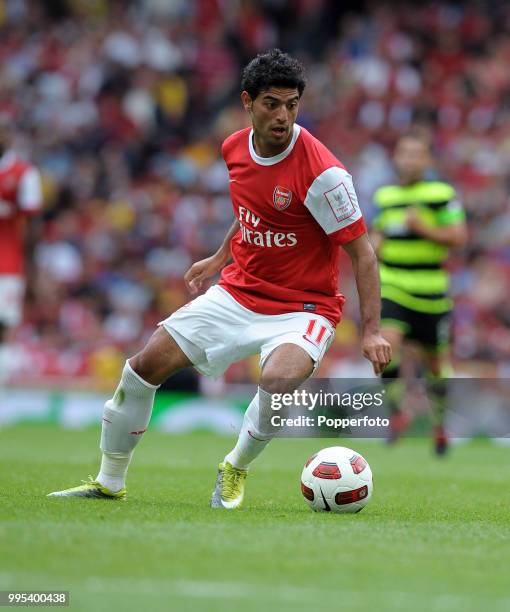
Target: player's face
412,158
273,114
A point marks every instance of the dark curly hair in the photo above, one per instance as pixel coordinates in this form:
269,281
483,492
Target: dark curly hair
273,68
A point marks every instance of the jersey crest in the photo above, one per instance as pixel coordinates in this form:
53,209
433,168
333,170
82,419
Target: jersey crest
281,197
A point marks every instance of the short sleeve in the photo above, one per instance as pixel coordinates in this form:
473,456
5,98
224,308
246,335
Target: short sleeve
332,201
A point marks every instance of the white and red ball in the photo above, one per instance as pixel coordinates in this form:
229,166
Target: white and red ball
337,479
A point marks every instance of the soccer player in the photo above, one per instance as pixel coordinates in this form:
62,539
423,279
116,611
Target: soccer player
20,196
418,222
294,206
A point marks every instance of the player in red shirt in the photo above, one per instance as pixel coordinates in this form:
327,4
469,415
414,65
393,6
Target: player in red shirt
20,196
294,206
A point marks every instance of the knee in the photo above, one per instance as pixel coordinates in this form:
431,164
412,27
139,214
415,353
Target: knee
280,376
273,385
275,379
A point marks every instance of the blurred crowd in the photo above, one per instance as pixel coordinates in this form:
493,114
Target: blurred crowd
124,105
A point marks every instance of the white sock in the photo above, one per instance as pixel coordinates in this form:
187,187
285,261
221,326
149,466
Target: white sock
256,431
114,467
125,419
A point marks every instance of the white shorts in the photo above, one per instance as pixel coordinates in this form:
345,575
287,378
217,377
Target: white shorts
214,331
12,291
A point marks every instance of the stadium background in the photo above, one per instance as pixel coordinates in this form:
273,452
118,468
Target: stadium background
124,105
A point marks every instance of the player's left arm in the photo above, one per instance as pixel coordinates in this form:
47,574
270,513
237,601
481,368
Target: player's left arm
364,262
451,229
205,268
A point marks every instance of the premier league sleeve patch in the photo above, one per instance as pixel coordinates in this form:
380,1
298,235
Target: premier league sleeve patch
340,202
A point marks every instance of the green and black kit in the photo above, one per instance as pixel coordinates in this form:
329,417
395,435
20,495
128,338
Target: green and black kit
414,283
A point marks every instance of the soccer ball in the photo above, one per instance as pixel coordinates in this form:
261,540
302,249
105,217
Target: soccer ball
337,479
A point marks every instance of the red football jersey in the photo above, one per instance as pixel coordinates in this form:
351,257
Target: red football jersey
294,210
20,193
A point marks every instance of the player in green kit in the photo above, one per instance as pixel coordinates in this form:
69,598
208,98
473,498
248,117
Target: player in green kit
418,222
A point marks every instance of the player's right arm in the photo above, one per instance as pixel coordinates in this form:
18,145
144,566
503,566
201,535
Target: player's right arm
205,268
364,262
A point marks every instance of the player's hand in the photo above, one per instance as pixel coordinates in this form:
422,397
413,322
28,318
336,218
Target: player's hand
200,271
377,350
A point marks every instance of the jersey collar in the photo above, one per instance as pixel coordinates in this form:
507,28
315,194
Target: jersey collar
270,161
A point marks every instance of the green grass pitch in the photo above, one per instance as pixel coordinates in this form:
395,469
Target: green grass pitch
435,536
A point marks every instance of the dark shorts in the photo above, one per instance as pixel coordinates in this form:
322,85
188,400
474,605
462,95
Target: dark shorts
430,330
